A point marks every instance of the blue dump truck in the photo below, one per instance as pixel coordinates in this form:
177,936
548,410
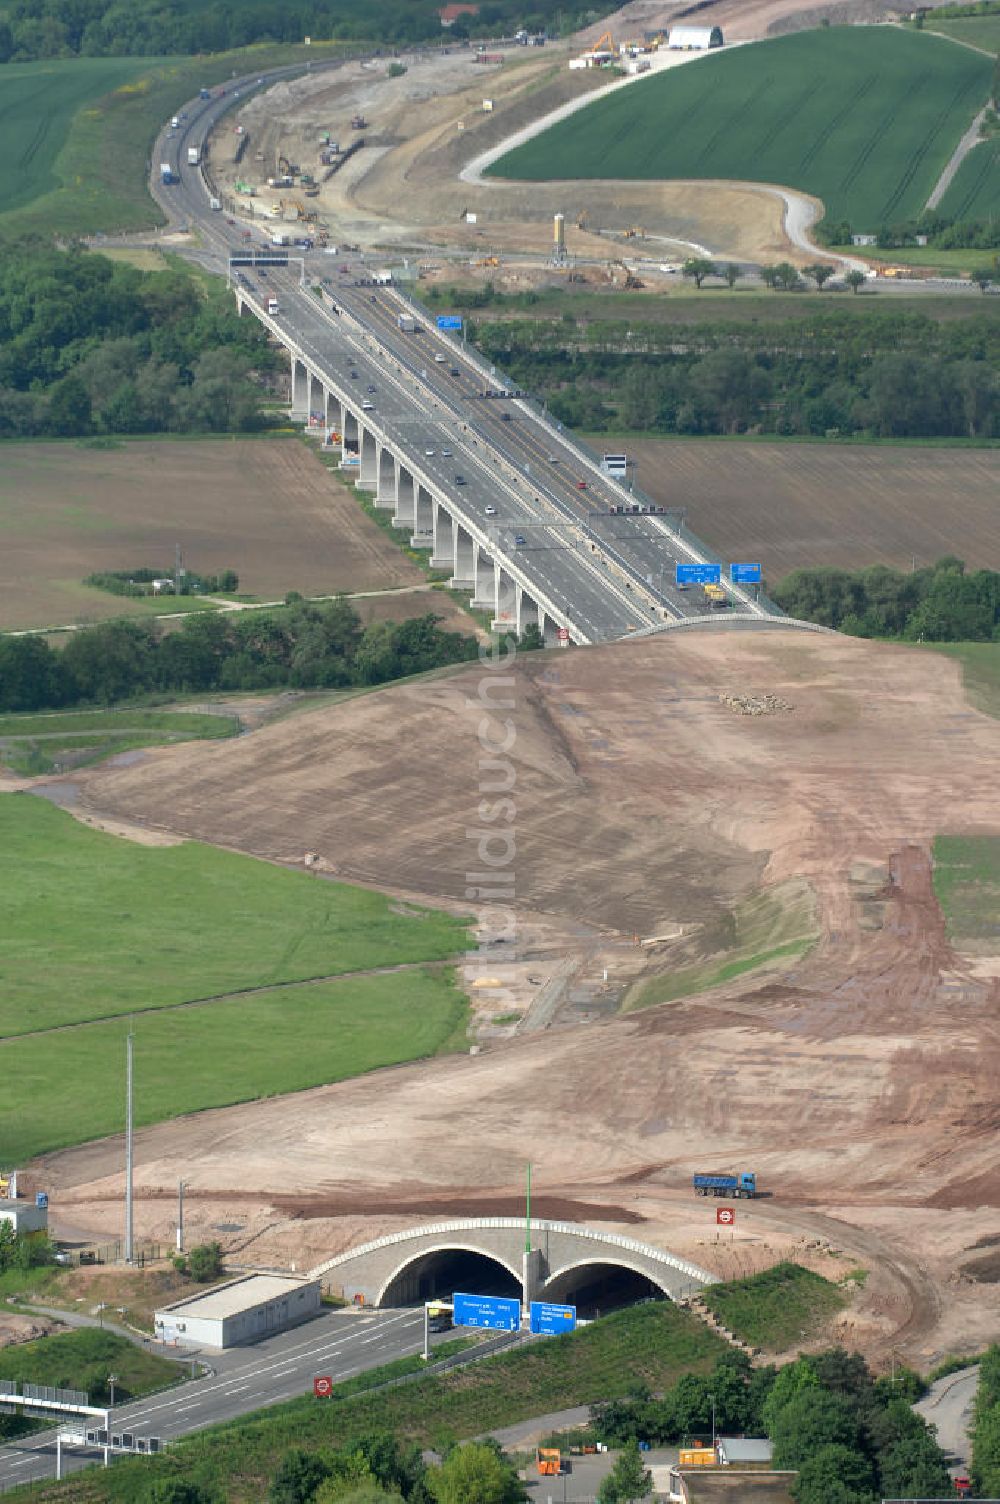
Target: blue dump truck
744,1184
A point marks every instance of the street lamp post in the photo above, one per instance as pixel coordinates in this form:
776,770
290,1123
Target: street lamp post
712,1398
112,1381
180,1215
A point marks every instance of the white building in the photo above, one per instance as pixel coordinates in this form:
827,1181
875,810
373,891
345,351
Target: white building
243,1310
695,38
25,1215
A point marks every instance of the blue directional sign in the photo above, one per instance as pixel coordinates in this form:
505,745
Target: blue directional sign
548,1318
745,574
449,321
490,1311
699,574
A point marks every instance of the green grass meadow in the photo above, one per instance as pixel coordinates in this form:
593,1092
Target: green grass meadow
218,959
865,118
40,744
967,884
775,1309
974,31
66,1086
980,671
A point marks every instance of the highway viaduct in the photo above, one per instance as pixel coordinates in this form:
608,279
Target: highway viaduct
566,1262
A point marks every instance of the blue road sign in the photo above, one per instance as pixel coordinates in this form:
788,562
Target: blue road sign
548,1318
490,1311
745,574
449,321
699,574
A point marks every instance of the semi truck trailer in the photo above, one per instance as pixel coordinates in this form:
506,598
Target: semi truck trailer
742,1185
194,156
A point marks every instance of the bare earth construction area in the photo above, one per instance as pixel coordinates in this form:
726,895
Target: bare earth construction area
865,1089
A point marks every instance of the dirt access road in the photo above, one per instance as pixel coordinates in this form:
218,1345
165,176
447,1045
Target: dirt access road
859,1080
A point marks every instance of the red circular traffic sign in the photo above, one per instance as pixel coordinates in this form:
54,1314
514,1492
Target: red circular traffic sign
725,1216
323,1387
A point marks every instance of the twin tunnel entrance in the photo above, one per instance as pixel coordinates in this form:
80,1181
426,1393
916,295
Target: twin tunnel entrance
595,1288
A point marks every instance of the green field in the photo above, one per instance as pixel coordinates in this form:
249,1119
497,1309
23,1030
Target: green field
653,1344
980,671
975,190
65,1085
83,1359
776,1309
37,103
967,884
217,957
974,31
38,744
865,118
78,133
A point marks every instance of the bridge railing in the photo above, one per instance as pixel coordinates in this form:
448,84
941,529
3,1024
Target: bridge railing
491,372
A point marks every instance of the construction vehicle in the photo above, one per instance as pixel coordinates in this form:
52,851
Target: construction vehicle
715,596
549,1460
743,1185
599,44
358,122
581,220
487,261
635,232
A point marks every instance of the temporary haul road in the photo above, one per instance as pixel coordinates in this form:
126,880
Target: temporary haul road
283,1367
577,566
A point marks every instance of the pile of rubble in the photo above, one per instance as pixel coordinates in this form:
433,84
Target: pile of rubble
756,704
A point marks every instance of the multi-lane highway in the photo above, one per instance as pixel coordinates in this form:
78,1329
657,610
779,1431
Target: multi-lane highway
337,1345
529,497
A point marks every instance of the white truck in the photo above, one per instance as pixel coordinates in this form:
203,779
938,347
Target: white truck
272,305
166,173
280,237
408,323
215,203
194,156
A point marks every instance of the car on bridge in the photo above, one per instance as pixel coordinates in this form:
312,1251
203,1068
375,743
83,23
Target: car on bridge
490,511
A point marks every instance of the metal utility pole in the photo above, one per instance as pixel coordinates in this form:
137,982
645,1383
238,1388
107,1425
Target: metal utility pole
128,1147
527,1214
180,1215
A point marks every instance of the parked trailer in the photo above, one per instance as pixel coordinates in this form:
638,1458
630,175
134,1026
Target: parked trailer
408,323
194,156
743,1184
166,173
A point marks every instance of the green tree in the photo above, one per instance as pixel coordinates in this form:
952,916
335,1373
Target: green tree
812,1419
855,279
698,268
914,1467
474,1474
70,410
204,1262
531,638
984,277
628,1480
177,1491
299,1475
820,272
829,1466
731,274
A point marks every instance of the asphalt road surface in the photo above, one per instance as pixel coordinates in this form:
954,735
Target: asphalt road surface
948,1408
279,1368
522,476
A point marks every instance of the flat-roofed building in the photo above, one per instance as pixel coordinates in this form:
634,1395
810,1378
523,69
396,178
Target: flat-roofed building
243,1310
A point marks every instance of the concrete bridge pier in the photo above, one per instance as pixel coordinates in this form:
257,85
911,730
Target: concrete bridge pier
317,400
484,574
526,611
505,596
368,456
333,413
385,479
350,441
405,499
443,552
300,391
463,576
423,519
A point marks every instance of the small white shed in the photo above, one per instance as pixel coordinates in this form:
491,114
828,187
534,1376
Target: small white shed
243,1310
695,38
25,1215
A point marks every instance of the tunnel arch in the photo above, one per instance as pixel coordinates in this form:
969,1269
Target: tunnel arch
439,1271
602,1284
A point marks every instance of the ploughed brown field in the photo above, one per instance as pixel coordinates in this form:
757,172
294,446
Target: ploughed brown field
860,1081
268,509
794,506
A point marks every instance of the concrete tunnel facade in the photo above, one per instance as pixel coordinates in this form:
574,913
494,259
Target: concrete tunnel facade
404,1268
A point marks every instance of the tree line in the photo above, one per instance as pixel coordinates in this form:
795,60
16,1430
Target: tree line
306,645
92,346
151,28
893,375
986,1426
851,1438
938,604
